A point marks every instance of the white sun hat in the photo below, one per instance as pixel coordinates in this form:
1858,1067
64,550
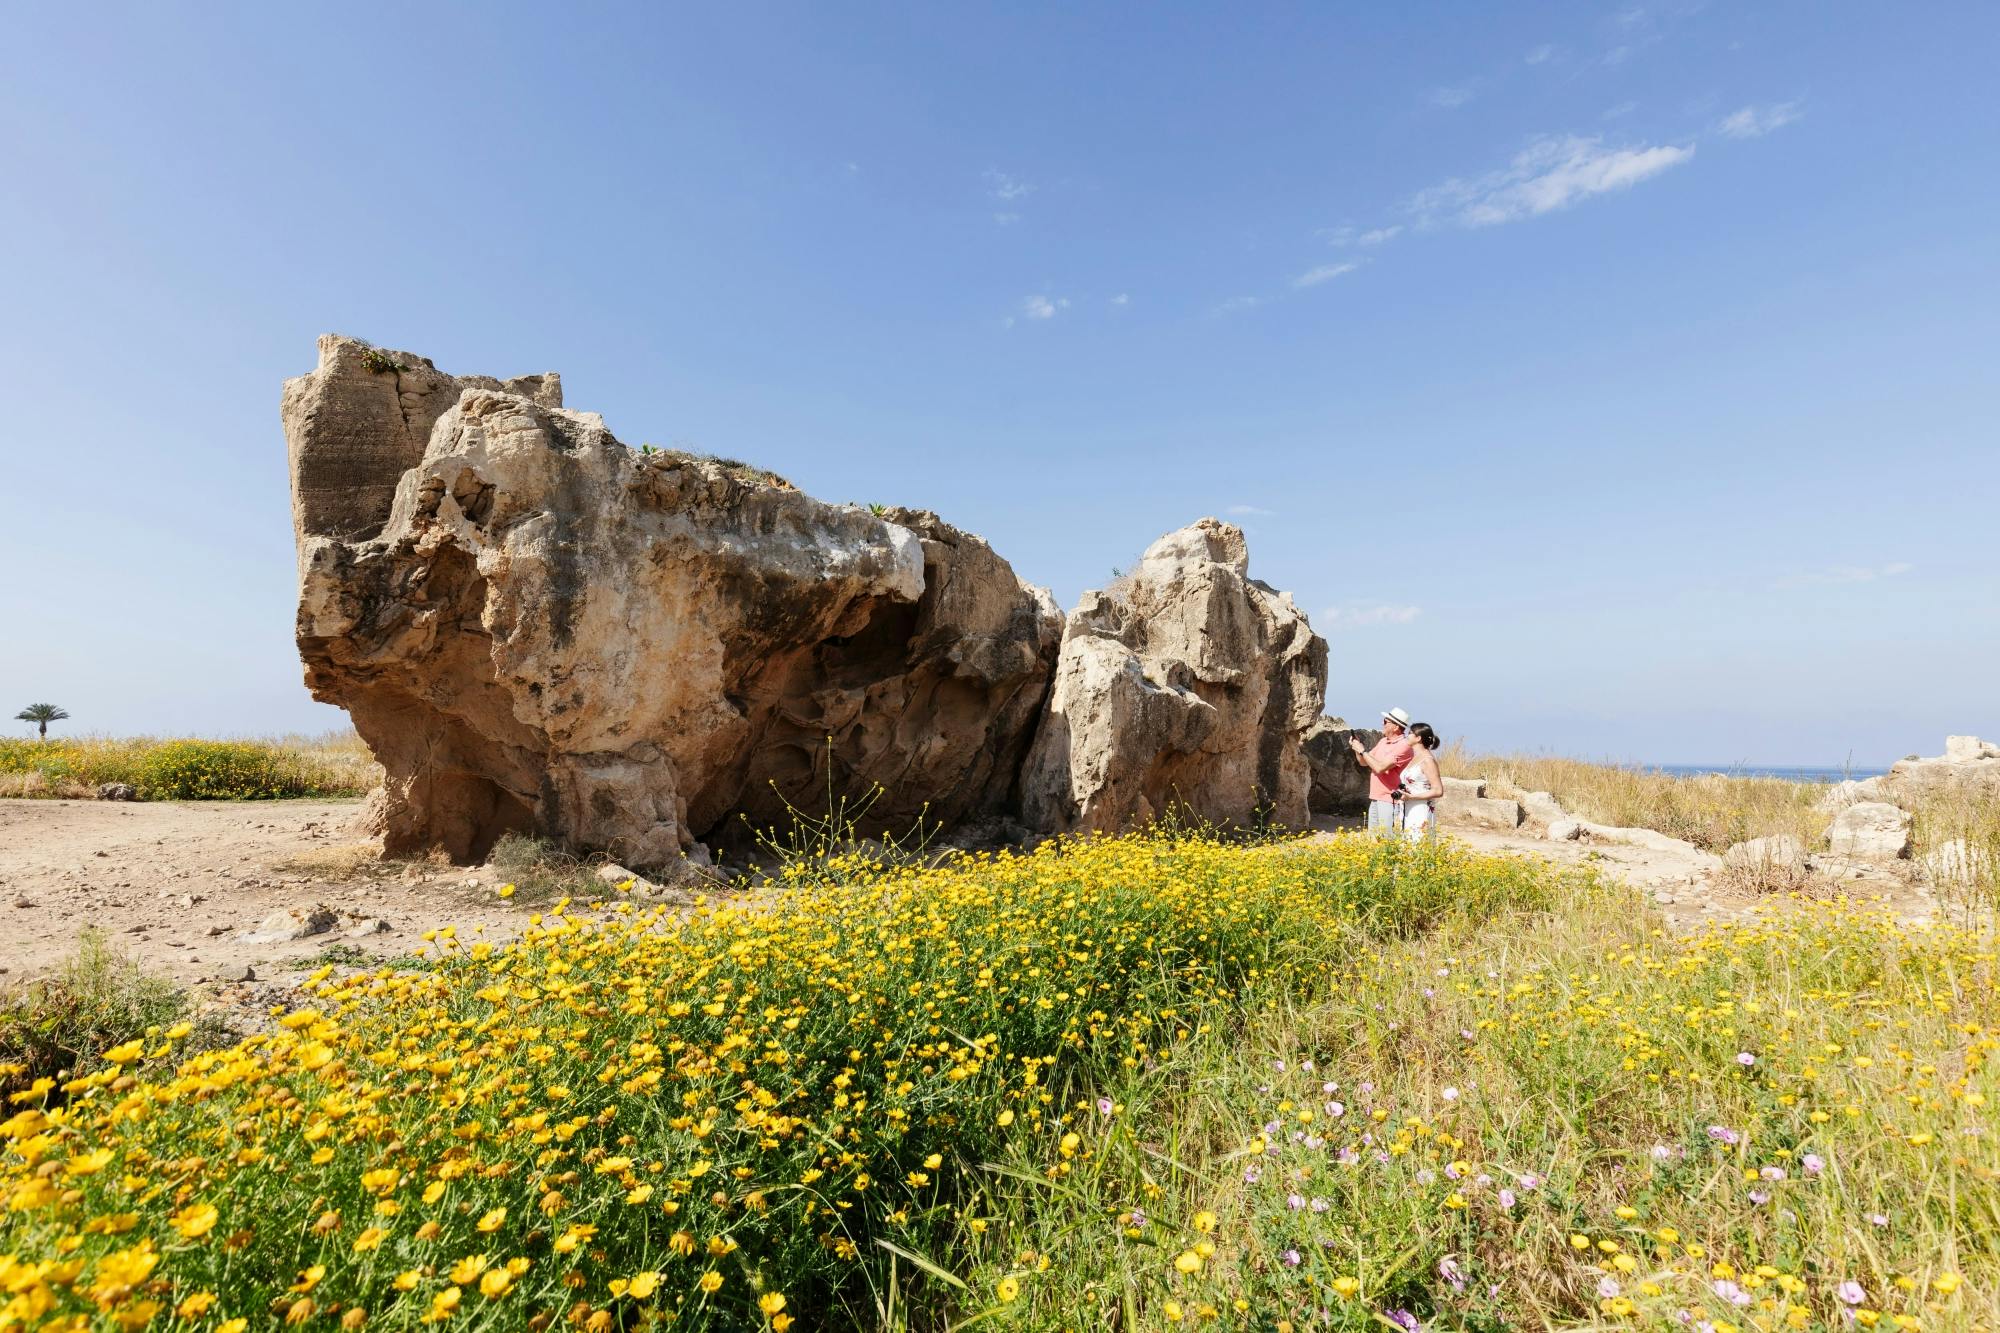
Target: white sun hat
1398,716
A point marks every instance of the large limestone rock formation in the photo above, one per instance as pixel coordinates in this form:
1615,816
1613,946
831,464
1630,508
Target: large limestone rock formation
538,629
1190,685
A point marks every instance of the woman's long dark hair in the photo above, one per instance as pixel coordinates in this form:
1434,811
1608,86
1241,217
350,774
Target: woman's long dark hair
1424,736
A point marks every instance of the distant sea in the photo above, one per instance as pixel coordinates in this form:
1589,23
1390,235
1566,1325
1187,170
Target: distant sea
1793,774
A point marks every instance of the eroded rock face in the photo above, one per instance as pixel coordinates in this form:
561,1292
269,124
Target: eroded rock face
538,629
1189,686
1339,784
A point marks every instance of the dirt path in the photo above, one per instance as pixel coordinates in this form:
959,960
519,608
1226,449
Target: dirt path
178,885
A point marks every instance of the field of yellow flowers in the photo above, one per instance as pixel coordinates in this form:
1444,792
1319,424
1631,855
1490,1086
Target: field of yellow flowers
1136,1082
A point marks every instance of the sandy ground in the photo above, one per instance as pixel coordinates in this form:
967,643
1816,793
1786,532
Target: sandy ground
179,886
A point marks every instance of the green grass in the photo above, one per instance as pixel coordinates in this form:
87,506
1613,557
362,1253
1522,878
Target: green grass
190,769
57,1026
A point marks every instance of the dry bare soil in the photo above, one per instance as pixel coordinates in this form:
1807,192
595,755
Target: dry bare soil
177,884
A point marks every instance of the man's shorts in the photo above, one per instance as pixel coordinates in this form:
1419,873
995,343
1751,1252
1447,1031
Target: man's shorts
1382,817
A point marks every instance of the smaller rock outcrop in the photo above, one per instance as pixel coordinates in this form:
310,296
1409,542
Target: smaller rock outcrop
1339,783
1542,809
1778,851
1187,686
1870,831
1494,812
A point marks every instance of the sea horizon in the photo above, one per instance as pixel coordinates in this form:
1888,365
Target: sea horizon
1786,772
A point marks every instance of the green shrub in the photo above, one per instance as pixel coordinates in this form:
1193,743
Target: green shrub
98,999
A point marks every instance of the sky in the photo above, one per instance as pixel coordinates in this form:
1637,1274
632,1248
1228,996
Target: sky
1614,380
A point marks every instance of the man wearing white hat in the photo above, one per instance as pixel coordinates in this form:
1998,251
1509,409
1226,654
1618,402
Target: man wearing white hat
1385,764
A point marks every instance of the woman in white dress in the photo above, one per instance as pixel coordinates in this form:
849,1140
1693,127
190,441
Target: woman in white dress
1423,785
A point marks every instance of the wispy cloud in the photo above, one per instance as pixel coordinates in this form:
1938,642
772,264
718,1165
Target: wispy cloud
1247,511
1622,109
1122,299
1044,307
1753,122
1236,303
1007,188
1313,277
1551,173
1006,219
1345,236
1839,575
1356,615
1540,55
1451,98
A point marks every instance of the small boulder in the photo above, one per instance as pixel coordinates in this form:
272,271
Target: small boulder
1843,794
1465,789
1542,808
1969,750
117,791
1871,831
1480,811
372,926
292,923
1779,851
1565,830
615,875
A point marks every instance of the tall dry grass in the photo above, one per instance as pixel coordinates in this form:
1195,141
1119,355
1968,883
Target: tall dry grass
1711,811
335,763
1955,830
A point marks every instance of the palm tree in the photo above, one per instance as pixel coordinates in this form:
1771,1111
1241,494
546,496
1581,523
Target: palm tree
41,715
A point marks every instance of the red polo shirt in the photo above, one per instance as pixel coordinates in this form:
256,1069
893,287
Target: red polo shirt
1381,782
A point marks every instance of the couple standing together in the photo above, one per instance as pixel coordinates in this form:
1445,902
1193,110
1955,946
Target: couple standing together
1403,780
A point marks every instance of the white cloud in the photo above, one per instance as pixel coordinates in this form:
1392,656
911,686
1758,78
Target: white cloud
1247,511
1540,54
1840,575
1236,303
1005,187
1123,298
1344,236
1451,98
1313,277
1357,615
1044,307
1622,109
1753,122
1006,219
1551,173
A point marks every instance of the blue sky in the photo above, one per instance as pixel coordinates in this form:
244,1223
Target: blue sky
1616,380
